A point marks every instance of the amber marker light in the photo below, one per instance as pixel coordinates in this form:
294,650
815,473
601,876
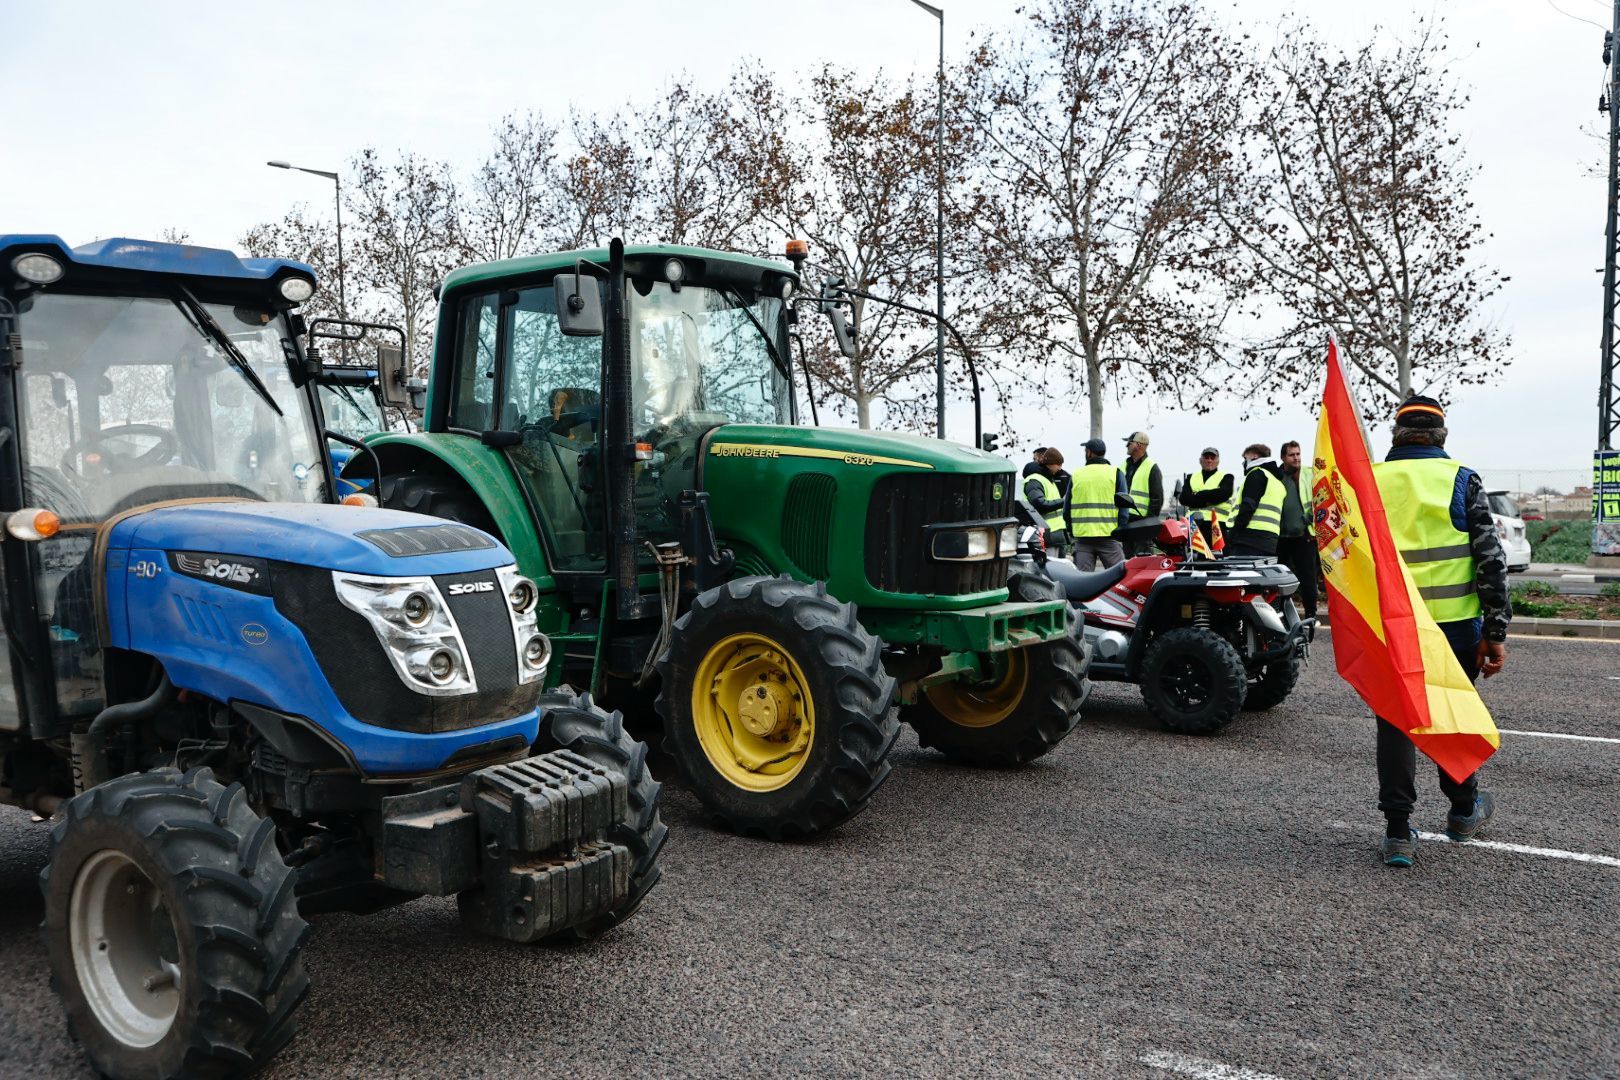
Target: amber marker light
359,499
33,524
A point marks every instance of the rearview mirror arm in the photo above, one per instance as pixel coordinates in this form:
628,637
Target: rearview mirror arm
967,353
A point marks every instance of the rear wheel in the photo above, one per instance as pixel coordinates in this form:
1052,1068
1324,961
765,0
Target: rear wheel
1193,680
171,927
776,707
569,722
1272,683
1030,699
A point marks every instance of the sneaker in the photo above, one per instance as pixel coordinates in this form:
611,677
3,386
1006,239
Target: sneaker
1460,827
1399,852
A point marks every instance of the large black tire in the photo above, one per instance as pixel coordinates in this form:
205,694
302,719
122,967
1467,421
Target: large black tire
839,666
995,725
1193,680
192,849
1271,685
569,722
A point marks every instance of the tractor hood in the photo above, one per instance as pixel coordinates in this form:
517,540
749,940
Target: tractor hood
851,446
385,543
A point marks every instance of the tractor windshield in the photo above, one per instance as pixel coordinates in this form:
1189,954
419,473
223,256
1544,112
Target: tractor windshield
130,400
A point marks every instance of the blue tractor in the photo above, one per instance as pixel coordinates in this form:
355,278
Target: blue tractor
238,702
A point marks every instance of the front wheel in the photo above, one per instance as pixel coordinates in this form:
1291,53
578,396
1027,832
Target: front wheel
1193,680
575,723
1029,701
171,927
776,707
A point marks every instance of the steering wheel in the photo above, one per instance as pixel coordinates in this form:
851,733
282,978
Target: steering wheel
161,451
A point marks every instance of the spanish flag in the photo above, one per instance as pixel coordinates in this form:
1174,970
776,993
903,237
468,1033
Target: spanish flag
1385,643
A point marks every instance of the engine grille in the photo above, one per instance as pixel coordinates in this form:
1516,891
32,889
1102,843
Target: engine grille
807,522
904,504
351,657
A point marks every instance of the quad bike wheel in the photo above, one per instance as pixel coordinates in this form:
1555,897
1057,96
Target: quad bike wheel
1029,702
569,722
171,927
1270,684
1193,680
776,707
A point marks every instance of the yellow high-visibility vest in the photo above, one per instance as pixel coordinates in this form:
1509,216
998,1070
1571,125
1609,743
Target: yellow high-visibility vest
1417,495
1092,510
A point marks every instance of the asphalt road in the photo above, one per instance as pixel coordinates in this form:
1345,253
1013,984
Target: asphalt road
1137,904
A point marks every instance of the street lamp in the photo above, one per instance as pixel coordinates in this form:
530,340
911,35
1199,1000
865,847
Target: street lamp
337,187
939,228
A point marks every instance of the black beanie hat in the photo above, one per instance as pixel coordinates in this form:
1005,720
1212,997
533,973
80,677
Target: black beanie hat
1420,412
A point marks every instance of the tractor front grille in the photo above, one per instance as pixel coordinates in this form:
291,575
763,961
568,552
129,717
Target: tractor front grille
904,504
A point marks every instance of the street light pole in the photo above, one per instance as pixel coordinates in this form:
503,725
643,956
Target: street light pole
939,228
337,199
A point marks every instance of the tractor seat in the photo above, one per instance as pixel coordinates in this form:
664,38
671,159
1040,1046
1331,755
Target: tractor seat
1080,587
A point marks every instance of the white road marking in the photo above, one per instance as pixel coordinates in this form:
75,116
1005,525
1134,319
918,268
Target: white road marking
1201,1068
1525,849
1559,735
1499,845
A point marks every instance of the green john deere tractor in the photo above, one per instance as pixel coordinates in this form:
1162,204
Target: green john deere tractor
624,419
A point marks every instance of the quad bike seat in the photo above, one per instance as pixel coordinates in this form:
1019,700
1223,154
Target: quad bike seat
1079,586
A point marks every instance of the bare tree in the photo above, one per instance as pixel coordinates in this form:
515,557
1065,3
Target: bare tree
1353,210
511,202
856,180
407,237
1104,126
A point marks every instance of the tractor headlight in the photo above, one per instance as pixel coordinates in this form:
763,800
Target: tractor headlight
416,629
1009,541
965,545
37,268
674,271
523,605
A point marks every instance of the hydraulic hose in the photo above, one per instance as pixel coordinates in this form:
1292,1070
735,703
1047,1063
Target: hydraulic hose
90,754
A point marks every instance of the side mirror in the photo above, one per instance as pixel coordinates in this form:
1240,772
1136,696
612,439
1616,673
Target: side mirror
579,305
391,377
841,331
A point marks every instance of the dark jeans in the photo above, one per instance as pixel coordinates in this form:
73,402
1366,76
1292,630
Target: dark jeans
1397,757
1298,553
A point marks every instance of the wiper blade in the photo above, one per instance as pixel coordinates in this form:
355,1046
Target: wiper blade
770,345
205,324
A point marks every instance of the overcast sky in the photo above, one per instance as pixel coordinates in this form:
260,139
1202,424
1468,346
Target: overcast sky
125,119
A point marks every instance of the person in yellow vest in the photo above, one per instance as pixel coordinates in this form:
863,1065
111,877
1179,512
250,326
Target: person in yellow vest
1441,522
1210,491
1098,504
1258,520
1049,498
1145,484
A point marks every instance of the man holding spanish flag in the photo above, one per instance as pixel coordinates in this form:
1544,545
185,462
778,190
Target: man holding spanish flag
1418,598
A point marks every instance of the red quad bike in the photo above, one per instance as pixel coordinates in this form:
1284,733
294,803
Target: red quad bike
1204,638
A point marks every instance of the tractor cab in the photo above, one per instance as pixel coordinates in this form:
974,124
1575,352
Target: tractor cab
144,374
706,345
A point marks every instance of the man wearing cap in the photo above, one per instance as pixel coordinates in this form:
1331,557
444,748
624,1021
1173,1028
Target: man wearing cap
1441,522
1143,482
1258,520
1049,500
1209,492
1098,504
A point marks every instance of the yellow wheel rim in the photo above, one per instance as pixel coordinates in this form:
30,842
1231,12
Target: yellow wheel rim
752,710
986,704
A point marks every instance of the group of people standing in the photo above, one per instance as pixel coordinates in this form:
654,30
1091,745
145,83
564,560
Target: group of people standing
1267,512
